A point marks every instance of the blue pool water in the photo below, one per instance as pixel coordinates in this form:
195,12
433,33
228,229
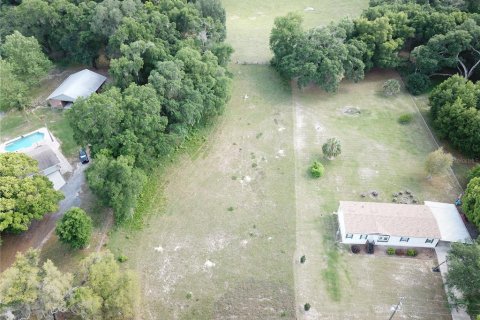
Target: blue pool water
24,142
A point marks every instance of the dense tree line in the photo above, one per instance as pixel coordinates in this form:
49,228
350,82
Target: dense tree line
22,65
99,290
421,38
455,109
167,61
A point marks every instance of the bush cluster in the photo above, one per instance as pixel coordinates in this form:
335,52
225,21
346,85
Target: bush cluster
411,252
405,118
317,169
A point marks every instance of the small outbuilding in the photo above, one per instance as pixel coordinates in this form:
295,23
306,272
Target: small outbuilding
400,224
80,84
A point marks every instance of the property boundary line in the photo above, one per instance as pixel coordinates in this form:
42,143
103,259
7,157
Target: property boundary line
455,179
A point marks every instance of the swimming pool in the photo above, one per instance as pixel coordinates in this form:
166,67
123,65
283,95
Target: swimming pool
24,142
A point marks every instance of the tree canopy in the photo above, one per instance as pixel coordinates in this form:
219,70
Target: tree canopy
416,37
167,62
100,290
116,182
438,162
471,201
75,228
25,56
455,105
22,64
24,193
464,275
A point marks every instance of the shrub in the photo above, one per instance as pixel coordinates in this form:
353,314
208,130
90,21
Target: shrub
438,162
391,87
317,169
399,252
390,251
307,306
411,252
417,83
405,118
75,228
122,258
332,148
303,259
355,249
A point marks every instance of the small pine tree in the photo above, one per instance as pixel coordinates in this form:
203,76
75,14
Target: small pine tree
332,148
75,228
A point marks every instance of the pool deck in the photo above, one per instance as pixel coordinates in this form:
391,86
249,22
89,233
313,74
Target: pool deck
48,140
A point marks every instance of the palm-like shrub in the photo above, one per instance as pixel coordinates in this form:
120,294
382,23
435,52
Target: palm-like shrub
332,148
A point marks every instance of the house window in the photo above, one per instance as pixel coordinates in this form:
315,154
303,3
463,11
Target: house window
404,239
349,235
429,240
383,238
363,236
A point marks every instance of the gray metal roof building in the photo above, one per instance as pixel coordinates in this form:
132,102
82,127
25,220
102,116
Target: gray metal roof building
79,84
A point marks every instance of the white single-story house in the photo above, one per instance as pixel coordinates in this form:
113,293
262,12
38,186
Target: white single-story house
404,225
49,164
79,84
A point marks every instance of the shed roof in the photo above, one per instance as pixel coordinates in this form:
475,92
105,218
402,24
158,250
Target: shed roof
79,84
389,219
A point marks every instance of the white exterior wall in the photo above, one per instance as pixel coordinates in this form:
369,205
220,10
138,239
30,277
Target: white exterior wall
392,241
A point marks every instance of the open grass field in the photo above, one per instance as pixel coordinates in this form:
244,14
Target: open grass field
249,22
378,154
221,244
228,222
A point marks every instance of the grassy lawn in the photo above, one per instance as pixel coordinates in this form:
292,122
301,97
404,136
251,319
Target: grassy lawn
378,154
222,243
249,22
16,123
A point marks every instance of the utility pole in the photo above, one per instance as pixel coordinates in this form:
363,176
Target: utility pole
396,308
